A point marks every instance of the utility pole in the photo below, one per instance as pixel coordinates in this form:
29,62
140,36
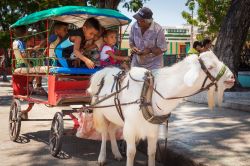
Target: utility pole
192,31
191,7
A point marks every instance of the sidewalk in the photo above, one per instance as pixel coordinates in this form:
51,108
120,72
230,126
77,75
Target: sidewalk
233,100
198,136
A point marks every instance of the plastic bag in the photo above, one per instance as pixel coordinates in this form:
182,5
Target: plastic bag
86,129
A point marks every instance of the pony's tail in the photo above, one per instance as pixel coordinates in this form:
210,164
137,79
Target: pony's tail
96,81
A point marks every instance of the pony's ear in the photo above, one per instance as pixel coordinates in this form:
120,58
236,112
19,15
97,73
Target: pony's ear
192,75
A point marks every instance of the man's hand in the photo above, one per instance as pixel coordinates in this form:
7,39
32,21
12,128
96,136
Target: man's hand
127,58
156,51
145,52
89,64
135,50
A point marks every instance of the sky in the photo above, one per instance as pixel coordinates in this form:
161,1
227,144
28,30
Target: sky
165,12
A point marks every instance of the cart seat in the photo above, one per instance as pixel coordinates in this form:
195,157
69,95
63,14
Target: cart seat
32,70
66,70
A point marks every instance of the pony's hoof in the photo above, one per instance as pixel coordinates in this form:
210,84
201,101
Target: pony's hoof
101,163
118,157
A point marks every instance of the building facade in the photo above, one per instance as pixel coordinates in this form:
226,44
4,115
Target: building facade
178,38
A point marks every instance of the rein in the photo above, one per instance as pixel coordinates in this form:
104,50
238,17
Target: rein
203,88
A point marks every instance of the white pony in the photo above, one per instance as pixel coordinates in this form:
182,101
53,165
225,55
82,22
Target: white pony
182,79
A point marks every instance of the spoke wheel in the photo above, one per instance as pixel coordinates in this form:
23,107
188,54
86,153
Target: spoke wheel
56,133
15,120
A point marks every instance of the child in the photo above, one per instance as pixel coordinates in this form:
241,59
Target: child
197,48
207,45
93,47
76,39
60,31
108,55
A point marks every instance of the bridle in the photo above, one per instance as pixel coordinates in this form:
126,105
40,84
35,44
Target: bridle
213,79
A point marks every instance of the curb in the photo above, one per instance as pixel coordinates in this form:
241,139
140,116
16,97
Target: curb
168,156
232,100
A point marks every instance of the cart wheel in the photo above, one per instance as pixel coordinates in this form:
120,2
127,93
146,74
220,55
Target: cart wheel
122,145
15,120
56,133
161,151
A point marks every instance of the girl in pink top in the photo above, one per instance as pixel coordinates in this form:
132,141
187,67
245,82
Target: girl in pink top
108,56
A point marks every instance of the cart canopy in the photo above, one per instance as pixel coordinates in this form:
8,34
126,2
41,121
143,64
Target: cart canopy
76,15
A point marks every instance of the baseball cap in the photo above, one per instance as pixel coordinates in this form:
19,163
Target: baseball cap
144,13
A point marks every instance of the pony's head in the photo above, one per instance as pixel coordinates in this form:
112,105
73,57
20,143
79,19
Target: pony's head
223,75
216,69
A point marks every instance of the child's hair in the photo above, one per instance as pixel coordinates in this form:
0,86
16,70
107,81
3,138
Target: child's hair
197,43
108,32
59,24
20,31
92,23
205,42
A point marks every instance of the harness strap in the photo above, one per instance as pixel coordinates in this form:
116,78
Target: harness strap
109,96
100,88
171,98
146,101
203,67
117,102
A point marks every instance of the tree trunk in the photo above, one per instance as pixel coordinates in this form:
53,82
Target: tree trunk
233,33
110,4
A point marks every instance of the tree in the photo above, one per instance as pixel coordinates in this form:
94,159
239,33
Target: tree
131,5
233,33
12,10
210,14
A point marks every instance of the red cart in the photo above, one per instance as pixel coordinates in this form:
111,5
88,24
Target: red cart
66,86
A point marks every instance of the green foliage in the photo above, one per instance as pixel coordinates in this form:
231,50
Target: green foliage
134,5
12,10
131,5
210,14
4,39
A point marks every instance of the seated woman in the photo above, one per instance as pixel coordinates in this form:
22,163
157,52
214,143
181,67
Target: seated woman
108,54
22,61
73,42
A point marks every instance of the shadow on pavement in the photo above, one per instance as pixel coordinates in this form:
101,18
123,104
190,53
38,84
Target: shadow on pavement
73,147
5,100
5,85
